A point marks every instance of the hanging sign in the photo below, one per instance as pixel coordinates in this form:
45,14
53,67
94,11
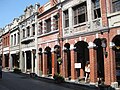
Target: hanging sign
77,65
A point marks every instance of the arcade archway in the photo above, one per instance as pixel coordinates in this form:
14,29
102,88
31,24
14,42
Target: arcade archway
67,60
49,60
116,48
82,57
100,58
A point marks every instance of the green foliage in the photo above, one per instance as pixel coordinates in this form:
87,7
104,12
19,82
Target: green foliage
59,60
58,78
16,70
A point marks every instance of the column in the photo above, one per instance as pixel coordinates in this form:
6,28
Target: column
52,23
16,39
54,63
31,34
44,26
114,82
65,74
36,47
22,63
3,61
70,19
73,70
44,64
93,63
25,61
89,11
32,62
11,62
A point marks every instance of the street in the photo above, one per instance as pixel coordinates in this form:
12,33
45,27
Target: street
11,81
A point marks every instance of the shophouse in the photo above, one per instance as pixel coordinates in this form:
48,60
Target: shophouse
1,31
113,16
14,44
5,46
90,32
28,39
49,26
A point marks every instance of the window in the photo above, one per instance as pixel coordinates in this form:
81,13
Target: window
23,33
18,38
80,13
116,5
33,29
28,31
8,41
5,41
56,22
40,28
48,25
14,39
66,18
97,11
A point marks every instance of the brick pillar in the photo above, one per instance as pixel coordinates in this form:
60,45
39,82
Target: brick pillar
44,64
107,61
81,73
54,63
103,13
3,60
93,63
73,70
65,64
113,65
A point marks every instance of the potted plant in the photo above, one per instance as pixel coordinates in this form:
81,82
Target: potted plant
58,78
59,60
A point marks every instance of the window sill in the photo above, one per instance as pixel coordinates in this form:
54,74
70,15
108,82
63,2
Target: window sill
49,33
81,24
113,14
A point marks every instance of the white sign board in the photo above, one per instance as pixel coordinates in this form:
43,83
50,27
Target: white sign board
77,65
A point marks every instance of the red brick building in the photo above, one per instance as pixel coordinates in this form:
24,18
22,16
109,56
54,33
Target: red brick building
5,46
49,20
91,33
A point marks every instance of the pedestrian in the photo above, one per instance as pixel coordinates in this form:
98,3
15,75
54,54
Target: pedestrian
87,71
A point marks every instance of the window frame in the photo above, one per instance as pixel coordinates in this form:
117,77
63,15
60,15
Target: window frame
78,11
66,18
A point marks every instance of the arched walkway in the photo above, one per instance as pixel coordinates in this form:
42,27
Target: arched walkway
82,57
116,49
67,60
49,60
100,58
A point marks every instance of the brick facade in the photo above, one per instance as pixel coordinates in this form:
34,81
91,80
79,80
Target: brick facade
95,39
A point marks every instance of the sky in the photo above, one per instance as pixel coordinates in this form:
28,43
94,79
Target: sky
10,9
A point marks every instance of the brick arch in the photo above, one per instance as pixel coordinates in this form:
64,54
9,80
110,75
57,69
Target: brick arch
100,57
82,56
67,60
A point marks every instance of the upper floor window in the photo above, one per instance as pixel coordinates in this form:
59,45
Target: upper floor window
66,19
48,25
56,22
116,5
80,13
23,33
97,11
28,31
40,28
18,38
33,29
6,41
14,39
